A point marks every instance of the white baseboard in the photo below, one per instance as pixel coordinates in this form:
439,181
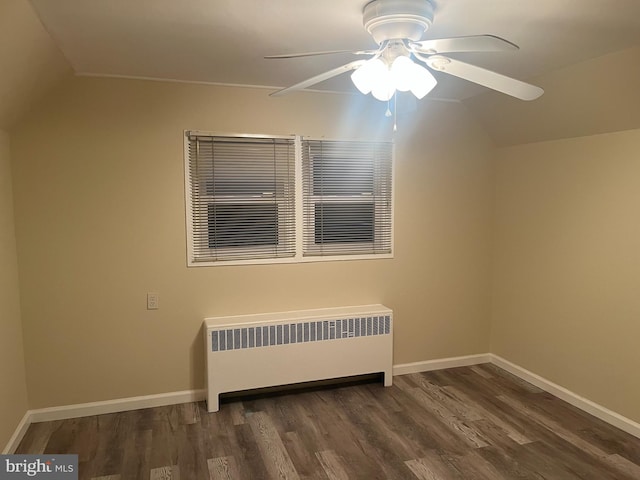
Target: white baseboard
113,406
429,365
18,435
603,413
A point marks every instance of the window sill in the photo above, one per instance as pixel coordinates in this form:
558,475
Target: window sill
292,260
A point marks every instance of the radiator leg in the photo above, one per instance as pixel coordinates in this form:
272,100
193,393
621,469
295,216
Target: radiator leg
388,378
213,402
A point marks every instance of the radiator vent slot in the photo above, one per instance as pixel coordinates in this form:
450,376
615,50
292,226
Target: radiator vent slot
284,334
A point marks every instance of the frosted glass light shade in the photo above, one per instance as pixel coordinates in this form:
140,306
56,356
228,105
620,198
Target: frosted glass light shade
403,74
366,77
383,87
423,82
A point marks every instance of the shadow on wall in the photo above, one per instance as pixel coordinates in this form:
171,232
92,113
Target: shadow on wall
196,360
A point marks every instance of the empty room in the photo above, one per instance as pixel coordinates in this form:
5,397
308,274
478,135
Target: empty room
393,239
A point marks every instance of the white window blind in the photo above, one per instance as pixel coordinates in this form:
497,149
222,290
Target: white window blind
347,197
242,197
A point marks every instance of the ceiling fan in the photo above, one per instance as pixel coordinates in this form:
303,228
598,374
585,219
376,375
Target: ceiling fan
397,27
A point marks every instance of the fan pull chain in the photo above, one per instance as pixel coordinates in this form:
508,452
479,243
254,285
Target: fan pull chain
395,111
388,112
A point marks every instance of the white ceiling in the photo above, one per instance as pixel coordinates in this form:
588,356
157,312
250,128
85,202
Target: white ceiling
223,41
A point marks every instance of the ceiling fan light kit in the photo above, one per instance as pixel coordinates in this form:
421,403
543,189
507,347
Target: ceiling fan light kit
381,81
397,26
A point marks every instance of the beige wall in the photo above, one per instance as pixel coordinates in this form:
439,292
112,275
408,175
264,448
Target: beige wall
13,394
98,179
567,265
30,62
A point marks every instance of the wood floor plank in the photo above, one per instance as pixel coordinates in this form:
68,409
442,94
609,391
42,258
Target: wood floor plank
507,466
422,470
164,449
509,381
472,464
305,462
612,440
405,382
559,460
170,472
481,371
596,453
442,396
327,428
537,457
494,435
382,423
465,431
418,424
190,413
554,426
385,397
37,437
248,455
485,393
439,464
624,465
333,465
219,434
62,437
192,455
237,413
385,451
111,431
84,443
137,454
483,413
469,467
223,468
274,455
323,424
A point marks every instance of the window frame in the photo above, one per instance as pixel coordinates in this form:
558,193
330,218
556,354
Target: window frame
315,251
299,256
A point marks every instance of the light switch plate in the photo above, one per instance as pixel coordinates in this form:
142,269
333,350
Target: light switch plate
152,301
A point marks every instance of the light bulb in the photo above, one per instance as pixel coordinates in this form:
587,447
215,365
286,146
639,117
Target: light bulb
365,77
422,81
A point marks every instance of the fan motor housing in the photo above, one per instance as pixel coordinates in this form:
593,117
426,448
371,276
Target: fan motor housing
397,19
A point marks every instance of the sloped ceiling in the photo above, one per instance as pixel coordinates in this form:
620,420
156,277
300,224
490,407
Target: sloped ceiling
30,62
595,96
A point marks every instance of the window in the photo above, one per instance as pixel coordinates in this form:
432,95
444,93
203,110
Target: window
242,197
258,199
347,197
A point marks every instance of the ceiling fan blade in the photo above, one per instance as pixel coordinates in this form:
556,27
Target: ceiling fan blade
327,52
482,76
320,78
475,43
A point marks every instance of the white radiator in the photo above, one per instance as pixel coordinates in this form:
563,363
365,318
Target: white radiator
270,349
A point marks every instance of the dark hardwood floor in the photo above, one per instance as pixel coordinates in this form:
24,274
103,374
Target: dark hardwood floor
463,423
